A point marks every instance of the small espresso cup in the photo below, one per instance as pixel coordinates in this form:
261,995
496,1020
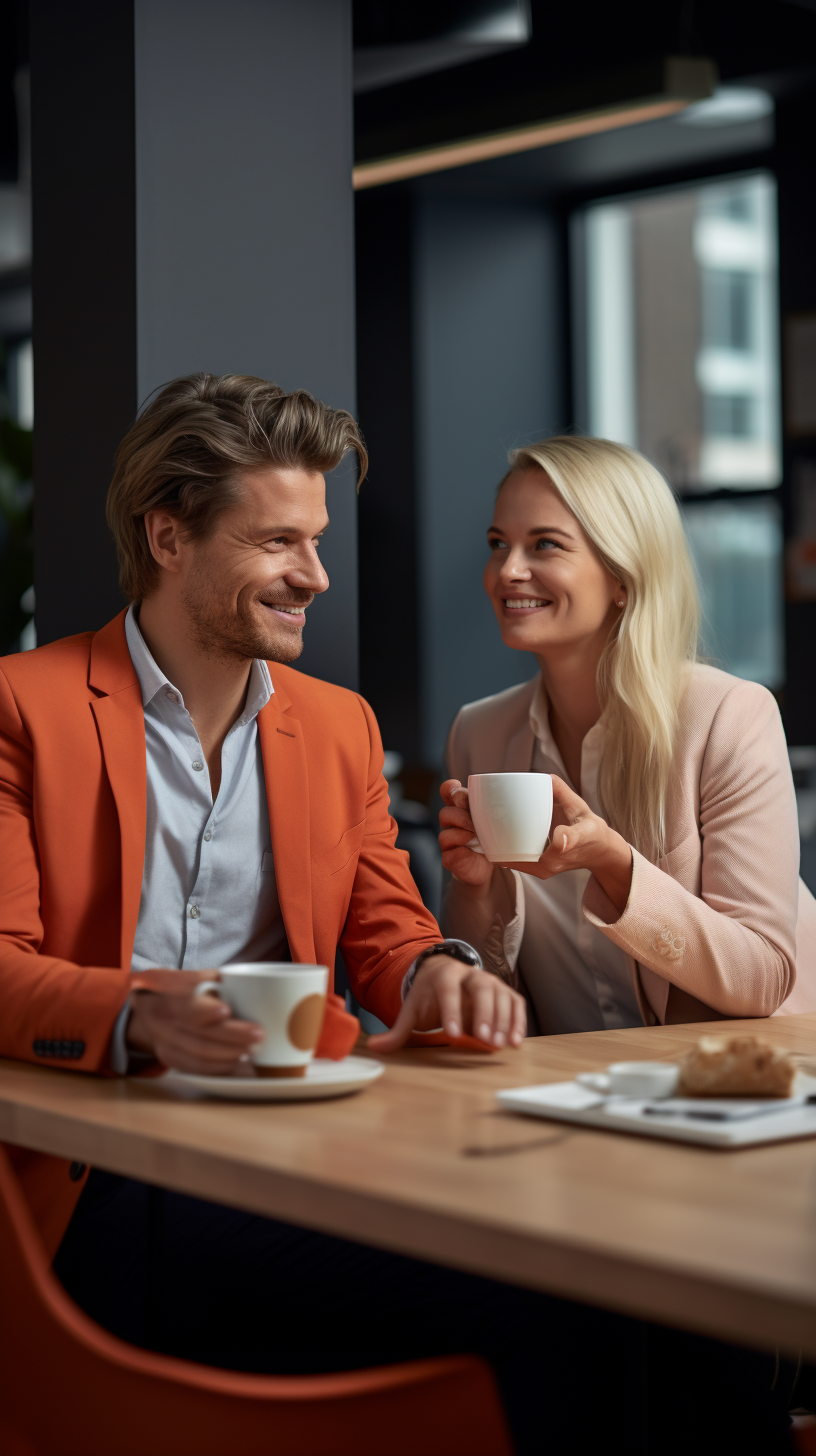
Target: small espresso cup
288,1001
511,814
641,1079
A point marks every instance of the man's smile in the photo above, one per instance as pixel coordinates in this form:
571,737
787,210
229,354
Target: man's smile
292,613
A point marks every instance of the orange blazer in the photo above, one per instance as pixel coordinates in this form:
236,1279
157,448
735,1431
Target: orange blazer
72,839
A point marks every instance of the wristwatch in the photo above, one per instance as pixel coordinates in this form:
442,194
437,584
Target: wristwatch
458,950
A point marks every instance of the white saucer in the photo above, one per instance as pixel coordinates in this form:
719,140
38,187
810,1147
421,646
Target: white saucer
323,1079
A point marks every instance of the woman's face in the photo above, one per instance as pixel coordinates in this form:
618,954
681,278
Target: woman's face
549,588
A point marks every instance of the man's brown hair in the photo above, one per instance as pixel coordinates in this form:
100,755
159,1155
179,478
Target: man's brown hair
185,451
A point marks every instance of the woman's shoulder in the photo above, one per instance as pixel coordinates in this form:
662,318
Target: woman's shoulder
485,725
500,709
719,712
710,690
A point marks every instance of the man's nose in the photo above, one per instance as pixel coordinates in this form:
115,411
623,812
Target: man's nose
309,574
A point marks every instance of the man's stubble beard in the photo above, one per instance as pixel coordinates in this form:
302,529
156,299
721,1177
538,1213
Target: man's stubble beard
222,632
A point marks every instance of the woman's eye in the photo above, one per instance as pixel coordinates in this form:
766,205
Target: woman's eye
496,544
544,542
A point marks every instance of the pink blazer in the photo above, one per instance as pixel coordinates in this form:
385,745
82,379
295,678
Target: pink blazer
722,925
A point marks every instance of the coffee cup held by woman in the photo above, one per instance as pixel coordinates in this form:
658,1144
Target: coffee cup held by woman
670,890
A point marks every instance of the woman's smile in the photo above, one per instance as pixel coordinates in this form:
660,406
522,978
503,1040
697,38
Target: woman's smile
524,606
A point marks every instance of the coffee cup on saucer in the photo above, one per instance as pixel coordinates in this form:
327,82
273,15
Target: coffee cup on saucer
633,1079
287,1001
511,814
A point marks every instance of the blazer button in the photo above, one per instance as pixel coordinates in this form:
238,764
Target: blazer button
77,1171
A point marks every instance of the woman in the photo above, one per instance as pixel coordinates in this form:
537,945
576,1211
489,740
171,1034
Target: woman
670,889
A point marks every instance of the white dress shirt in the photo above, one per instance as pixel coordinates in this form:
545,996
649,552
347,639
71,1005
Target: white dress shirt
209,896
577,979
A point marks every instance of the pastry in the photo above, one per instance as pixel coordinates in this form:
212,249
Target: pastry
735,1066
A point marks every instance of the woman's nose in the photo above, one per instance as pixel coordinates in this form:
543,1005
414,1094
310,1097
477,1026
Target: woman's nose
515,567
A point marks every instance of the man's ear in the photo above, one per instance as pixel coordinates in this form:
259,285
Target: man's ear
163,533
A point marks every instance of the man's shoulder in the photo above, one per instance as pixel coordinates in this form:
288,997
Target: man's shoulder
54,665
313,694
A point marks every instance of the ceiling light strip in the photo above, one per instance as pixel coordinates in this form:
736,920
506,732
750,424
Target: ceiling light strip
506,143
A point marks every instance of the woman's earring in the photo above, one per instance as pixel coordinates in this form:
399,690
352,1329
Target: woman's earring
621,604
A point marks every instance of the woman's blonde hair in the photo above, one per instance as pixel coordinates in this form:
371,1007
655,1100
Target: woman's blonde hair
631,517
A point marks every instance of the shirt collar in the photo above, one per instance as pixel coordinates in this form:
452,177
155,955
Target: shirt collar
152,680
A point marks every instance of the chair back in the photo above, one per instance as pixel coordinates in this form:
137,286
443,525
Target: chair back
71,1389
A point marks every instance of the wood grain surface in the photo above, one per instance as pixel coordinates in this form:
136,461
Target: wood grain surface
423,1162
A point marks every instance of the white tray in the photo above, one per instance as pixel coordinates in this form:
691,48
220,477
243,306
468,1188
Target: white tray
570,1102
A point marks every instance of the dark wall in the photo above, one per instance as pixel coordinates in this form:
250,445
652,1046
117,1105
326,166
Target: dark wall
84,292
795,161
490,361
461,356
388,563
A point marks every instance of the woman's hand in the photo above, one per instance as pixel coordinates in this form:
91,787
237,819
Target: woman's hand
466,865
580,840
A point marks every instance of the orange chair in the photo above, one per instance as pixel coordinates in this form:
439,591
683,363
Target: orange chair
804,1440
68,1388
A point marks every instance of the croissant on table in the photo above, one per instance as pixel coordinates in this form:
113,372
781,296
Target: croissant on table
735,1066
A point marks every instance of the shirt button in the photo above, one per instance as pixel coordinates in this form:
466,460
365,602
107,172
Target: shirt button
208,835
171,697
197,765
194,912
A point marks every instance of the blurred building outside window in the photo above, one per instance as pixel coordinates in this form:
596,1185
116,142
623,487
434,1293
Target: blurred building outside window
680,360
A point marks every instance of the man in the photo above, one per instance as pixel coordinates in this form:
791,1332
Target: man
174,796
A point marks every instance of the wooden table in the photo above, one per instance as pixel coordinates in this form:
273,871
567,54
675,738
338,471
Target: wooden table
424,1163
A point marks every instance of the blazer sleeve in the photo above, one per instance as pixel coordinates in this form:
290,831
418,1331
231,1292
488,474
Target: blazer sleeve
387,924
731,945
52,1011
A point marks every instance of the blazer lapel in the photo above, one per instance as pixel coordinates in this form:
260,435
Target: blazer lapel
287,793
120,724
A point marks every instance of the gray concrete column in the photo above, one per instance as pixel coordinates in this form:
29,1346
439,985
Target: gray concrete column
225,133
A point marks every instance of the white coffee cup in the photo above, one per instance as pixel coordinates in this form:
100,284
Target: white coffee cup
287,1000
511,814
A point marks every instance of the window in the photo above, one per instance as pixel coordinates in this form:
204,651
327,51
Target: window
677,351
737,549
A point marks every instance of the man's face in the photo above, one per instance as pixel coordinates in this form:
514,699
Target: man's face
246,587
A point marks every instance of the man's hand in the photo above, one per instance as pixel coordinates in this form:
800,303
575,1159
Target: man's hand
461,1000
190,1033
